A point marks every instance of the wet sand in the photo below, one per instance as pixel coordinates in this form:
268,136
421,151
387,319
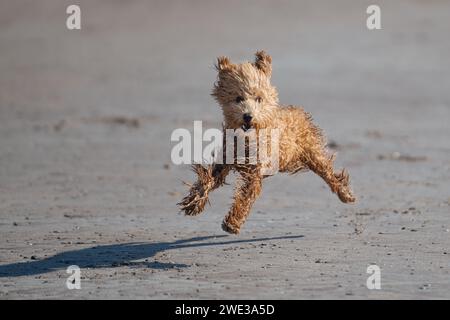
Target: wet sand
86,177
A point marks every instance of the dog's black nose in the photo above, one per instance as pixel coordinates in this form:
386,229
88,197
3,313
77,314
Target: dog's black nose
247,118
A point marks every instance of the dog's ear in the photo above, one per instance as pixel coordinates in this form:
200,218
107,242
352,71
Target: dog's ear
223,63
263,62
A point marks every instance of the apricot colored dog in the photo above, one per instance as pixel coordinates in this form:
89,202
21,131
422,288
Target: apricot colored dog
249,101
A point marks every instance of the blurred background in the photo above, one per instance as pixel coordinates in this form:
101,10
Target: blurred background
86,117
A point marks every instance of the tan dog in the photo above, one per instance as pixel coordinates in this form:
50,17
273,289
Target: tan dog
248,100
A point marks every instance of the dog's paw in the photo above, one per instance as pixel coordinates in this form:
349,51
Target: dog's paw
227,227
345,195
193,204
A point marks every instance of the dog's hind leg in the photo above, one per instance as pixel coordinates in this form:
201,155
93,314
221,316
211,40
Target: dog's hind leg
248,188
208,178
322,164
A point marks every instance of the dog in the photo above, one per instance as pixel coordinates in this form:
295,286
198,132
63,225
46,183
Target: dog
249,101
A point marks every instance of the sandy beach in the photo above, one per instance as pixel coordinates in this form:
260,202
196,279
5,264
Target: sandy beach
86,176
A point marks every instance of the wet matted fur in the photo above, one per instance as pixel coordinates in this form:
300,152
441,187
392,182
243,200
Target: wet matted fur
245,89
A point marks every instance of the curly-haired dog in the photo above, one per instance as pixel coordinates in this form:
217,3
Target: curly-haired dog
248,100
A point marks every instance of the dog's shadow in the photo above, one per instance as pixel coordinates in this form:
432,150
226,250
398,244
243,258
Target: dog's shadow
126,254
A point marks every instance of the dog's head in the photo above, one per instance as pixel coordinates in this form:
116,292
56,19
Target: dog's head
244,92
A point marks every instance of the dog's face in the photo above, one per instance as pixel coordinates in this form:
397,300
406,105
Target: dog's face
244,92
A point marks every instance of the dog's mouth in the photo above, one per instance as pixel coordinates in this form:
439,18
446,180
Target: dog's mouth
246,126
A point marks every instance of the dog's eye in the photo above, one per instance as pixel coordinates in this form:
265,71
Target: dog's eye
258,99
239,99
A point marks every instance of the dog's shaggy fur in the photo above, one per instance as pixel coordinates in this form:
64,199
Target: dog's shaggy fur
248,100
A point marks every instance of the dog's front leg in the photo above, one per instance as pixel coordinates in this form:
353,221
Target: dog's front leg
248,188
208,178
